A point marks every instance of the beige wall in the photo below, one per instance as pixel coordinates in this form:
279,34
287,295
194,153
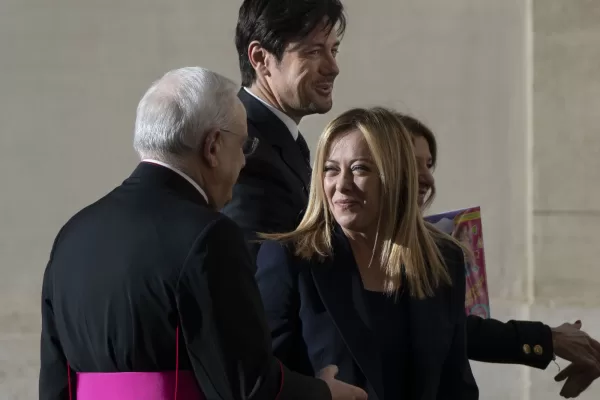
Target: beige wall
567,150
566,165
72,73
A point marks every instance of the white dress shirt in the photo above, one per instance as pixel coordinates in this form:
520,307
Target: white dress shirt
291,125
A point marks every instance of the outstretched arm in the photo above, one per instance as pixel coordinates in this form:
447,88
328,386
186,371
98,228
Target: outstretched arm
512,342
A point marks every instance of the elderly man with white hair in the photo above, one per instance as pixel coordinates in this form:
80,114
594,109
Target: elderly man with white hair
149,292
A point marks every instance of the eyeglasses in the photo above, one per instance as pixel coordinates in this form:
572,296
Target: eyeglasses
250,144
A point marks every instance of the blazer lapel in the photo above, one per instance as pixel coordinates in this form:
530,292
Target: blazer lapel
340,287
292,156
275,133
428,325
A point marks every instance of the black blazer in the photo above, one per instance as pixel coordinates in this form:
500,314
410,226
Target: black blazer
513,342
316,313
148,257
272,189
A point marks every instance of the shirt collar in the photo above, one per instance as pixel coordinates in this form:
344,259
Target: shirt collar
180,173
289,123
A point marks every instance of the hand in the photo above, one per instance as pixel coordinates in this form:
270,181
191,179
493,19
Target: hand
578,377
576,346
340,390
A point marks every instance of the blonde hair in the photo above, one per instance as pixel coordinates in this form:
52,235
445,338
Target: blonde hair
403,237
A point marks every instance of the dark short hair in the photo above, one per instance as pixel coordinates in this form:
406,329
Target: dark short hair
276,23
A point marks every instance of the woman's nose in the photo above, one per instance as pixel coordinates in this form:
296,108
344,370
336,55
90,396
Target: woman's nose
344,181
425,176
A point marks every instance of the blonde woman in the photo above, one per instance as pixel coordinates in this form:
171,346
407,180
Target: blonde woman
363,283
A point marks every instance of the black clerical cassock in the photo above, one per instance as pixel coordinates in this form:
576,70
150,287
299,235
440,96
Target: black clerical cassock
150,289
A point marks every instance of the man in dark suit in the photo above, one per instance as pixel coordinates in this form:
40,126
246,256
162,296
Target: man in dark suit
286,51
154,264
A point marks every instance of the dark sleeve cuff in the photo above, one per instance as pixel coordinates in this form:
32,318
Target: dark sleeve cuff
537,347
513,342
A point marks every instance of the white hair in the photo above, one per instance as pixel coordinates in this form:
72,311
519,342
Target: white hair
179,108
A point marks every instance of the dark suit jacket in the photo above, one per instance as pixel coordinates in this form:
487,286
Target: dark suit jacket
148,257
272,189
317,317
513,342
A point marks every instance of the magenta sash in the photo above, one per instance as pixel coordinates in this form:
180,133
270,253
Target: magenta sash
170,385
173,385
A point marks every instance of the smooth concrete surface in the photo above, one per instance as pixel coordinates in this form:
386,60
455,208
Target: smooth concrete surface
73,72
567,150
567,251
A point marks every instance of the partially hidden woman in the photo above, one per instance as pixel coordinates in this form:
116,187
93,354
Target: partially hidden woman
530,343
364,283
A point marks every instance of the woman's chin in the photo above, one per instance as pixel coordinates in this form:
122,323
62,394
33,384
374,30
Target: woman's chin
351,222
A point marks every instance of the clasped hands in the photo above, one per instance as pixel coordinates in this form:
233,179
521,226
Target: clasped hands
574,345
340,390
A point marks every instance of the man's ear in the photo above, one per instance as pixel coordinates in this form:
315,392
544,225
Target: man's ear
211,148
259,58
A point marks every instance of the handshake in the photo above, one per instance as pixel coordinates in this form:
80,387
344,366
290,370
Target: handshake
340,390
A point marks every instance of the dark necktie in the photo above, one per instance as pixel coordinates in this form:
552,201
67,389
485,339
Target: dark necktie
303,148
